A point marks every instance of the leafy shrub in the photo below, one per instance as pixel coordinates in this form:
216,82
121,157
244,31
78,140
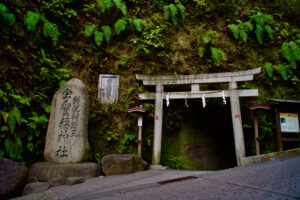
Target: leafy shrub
151,39
105,5
260,22
6,15
172,11
263,24
49,29
98,37
241,30
291,52
23,117
107,32
217,55
120,25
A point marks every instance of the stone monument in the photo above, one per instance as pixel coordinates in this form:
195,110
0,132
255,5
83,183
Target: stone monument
67,134
67,144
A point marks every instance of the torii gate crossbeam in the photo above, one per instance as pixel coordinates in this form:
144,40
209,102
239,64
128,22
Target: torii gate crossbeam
194,80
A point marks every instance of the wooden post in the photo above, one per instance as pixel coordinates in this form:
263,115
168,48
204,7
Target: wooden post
237,123
278,130
140,121
157,135
256,134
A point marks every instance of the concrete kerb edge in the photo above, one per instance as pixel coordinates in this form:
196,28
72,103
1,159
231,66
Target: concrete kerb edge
245,161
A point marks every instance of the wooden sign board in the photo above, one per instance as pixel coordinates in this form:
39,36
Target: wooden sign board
289,122
108,88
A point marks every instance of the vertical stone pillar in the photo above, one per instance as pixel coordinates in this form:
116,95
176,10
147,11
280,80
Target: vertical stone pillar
156,154
237,122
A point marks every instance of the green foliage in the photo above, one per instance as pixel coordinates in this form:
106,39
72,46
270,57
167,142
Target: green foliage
241,30
175,162
282,69
9,17
138,24
125,142
120,25
111,136
51,30
89,29
291,52
151,39
122,6
217,56
14,117
107,32
105,5
263,23
269,69
31,20
211,37
171,11
98,37
24,114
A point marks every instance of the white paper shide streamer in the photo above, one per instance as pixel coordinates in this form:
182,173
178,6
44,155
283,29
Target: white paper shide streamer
185,102
168,100
223,96
203,100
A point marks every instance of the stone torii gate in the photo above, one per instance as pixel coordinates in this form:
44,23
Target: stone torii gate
194,80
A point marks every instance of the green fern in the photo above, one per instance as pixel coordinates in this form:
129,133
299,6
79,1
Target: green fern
295,50
98,38
7,16
171,11
234,29
263,22
182,10
31,20
291,52
89,29
51,30
122,6
107,32
138,24
269,69
120,25
104,5
241,30
166,12
282,69
217,56
174,13
259,34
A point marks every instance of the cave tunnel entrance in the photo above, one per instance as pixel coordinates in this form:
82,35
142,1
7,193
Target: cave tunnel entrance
197,138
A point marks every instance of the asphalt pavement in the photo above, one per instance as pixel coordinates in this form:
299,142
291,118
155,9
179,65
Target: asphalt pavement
278,179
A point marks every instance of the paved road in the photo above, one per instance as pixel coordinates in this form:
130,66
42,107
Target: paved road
271,180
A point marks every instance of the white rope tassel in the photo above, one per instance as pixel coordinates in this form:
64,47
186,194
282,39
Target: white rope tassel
203,101
185,102
168,100
223,96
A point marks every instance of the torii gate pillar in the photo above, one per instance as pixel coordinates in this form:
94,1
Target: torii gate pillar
156,154
237,122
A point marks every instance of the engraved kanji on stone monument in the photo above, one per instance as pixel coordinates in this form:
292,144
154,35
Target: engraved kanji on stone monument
108,88
66,140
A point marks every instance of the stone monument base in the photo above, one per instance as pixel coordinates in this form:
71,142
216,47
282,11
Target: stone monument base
45,171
